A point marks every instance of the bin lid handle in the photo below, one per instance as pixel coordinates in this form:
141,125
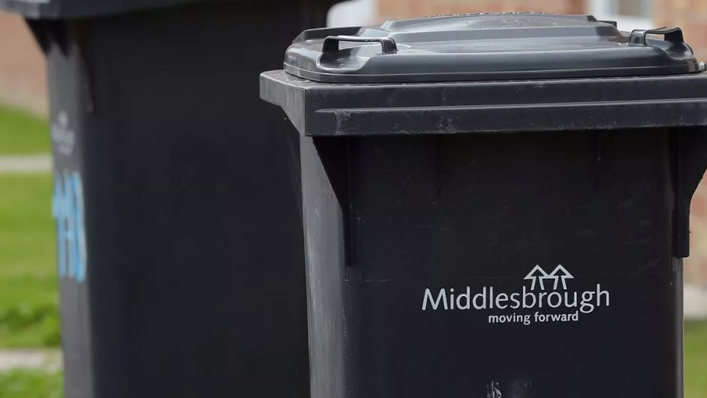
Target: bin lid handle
672,35
331,43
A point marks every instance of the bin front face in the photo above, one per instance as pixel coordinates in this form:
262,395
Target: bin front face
468,234
531,264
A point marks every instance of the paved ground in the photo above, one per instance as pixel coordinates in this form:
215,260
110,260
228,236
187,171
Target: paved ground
30,359
25,164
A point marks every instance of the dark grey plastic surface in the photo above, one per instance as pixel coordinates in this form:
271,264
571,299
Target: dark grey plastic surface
323,109
65,9
497,46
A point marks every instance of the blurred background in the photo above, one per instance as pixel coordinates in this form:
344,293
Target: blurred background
30,340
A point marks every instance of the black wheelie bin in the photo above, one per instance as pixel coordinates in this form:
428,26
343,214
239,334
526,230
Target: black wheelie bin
495,205
179,239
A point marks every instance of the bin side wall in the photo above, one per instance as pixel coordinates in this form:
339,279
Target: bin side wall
325,214
78,333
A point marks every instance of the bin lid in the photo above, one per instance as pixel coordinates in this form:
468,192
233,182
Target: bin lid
488,46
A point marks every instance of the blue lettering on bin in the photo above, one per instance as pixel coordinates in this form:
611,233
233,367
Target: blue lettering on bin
68,212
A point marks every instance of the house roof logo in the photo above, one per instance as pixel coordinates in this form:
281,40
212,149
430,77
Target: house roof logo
558,276
63,136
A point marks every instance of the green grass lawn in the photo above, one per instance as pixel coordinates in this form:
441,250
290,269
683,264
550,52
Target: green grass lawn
22,133
31,384
696,360
28,280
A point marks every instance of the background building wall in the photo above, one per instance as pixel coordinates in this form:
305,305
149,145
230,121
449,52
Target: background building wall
22,68
390,9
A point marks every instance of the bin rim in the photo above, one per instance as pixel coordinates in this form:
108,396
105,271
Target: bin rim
325,109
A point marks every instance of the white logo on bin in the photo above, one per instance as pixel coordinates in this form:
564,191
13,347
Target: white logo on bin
63,136
548,298
538,277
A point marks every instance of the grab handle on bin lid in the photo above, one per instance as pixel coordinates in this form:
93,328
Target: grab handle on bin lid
672,35
322,33
331,43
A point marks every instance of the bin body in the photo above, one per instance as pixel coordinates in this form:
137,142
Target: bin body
489,237
442,226
179,239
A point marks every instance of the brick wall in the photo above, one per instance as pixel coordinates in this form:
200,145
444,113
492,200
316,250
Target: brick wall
391,9
22,69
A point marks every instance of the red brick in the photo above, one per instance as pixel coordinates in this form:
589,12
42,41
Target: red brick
696,6
22,66
426,7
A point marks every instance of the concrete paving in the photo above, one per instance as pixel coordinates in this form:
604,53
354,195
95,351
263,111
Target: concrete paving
25,164
49,360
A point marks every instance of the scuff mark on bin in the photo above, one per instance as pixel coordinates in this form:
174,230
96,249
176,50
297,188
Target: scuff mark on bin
493,390
342,117
519,388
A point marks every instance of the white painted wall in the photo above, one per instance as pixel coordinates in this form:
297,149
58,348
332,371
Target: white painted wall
353,13
603,11
695,302
363,12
